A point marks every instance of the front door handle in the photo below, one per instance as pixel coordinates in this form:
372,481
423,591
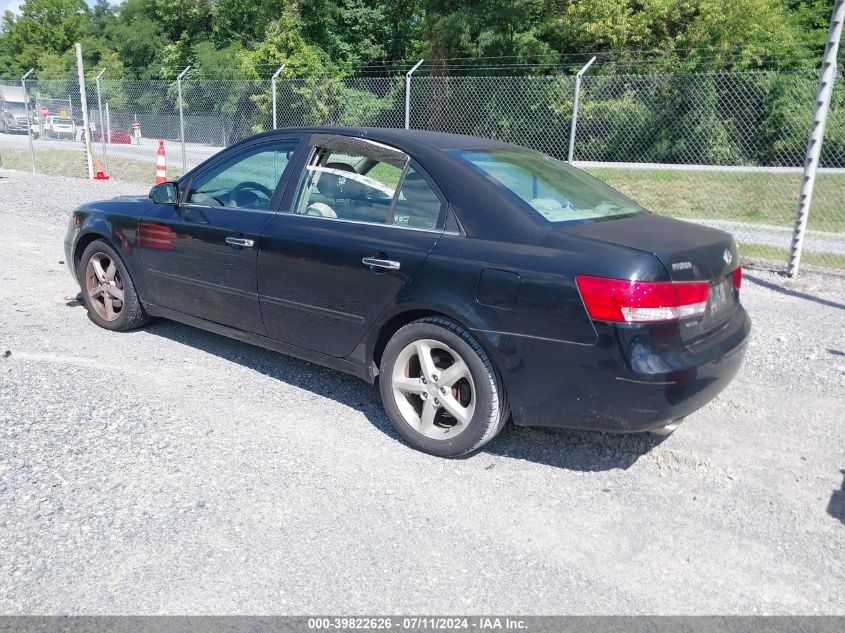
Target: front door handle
386,264
241,242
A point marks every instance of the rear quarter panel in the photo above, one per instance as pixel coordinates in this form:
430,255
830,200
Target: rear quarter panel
546,312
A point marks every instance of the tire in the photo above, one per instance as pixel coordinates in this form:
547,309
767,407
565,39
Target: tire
477,398
110,298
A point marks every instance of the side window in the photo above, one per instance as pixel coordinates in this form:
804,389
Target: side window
349,187
247,179
418,206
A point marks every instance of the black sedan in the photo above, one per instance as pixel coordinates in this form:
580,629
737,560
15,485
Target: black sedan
474,281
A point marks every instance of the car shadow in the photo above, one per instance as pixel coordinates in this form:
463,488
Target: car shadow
790,291
568,449
836,507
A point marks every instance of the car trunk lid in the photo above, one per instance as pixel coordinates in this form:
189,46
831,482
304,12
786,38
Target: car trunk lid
688,251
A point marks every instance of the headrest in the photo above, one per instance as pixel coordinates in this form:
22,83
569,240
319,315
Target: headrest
338,187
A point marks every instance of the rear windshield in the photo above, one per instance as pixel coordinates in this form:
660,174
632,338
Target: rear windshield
554,189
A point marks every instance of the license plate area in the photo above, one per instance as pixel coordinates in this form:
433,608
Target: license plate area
721,301
720,298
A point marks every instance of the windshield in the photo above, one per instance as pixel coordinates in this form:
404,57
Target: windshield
554,189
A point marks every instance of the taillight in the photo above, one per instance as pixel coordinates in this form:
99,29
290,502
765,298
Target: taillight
641,301
737,277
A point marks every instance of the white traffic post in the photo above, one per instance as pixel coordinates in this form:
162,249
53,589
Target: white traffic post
273,90
28,124
103,130
108,123
575,102
80,71
408,94
182,117
827,76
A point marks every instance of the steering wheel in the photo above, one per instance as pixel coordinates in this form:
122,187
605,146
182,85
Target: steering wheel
247,186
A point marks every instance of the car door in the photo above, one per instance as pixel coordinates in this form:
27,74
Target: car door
200,255
347,240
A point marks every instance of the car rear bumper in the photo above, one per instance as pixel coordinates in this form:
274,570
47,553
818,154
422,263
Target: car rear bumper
631,380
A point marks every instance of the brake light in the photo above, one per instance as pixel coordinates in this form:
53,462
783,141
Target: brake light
737,277
641,301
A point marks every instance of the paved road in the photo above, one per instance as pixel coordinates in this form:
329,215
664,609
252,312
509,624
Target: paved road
780,236
195,153
174,471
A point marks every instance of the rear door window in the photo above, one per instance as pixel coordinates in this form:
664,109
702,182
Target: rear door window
363,181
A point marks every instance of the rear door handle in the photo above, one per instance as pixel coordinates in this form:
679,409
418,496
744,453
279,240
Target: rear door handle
240,241
386,264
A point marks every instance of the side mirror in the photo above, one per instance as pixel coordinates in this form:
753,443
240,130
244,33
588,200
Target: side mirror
165,193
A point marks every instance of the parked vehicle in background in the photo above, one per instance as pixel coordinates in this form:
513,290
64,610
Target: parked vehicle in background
13,110
120,137
59,127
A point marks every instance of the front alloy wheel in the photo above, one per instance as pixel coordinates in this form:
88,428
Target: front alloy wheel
107,289
104,287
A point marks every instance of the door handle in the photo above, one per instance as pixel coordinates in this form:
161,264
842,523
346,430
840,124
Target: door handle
375,262
240,241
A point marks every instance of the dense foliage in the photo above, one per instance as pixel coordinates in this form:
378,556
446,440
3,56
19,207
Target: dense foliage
154,38
661,91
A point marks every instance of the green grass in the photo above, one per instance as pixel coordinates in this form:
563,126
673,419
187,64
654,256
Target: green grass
778,256
757,197
62,162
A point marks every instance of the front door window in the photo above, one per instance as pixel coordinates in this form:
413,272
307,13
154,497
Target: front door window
246,180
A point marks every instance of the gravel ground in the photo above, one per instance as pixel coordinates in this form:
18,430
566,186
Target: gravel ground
171,470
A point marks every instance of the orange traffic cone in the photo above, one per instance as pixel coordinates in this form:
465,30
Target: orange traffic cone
161,167
99,174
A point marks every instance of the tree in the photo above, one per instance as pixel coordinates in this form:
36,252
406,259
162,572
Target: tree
44,27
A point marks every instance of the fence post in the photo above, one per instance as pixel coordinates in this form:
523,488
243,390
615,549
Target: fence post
408,94
273,90
103,131
827,76
575,101
182,117
28,124
86,131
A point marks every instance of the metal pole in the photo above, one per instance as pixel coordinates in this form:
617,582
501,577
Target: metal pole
80,71
827,76
273,90
103,130
182,117
408,94
108,122
28,124
575,102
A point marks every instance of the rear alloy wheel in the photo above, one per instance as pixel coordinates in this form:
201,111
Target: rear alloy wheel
440,389
107,289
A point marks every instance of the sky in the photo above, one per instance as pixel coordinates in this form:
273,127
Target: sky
12,5
9,5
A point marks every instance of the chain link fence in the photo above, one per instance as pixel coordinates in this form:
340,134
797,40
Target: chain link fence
723,149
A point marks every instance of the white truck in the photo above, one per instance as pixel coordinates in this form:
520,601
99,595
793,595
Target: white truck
13,110
59,127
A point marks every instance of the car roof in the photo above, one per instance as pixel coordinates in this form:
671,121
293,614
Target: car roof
406,139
